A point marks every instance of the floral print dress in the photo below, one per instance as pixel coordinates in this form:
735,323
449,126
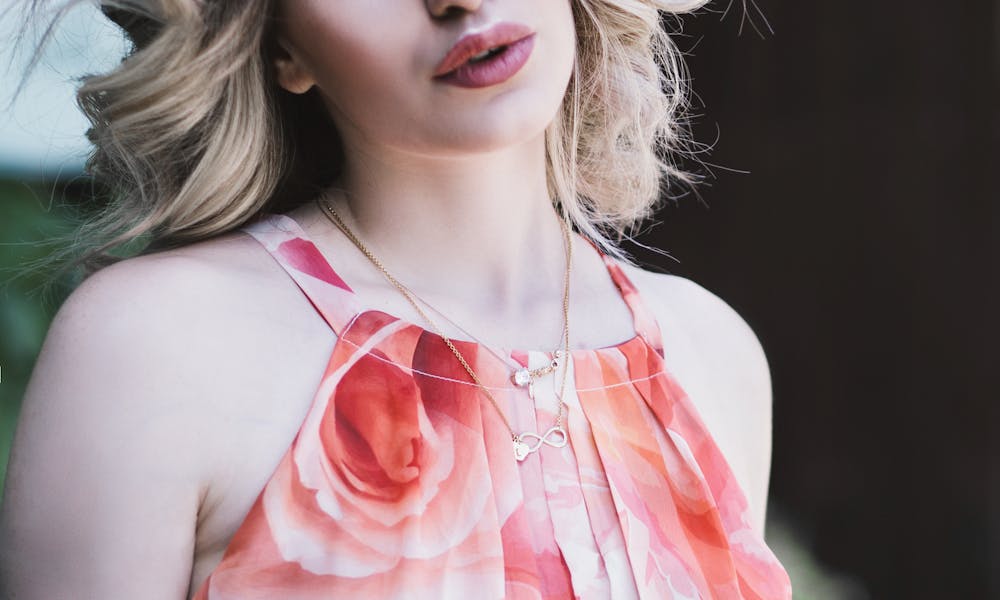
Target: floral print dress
401,481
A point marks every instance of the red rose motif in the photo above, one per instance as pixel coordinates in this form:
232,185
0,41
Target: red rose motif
379,476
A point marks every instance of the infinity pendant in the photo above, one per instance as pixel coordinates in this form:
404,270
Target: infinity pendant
522,449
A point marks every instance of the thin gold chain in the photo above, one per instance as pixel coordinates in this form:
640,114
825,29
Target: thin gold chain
332,215
540,371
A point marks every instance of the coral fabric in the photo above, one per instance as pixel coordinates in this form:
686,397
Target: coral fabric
401,482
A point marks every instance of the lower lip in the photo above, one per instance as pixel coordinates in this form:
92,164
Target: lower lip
495,69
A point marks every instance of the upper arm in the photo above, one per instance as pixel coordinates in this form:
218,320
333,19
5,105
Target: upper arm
725,372
105,480
737,358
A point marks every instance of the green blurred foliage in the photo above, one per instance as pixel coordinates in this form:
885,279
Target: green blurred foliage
30,221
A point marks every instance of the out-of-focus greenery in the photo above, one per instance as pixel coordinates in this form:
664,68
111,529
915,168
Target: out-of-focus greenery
29,220
811,580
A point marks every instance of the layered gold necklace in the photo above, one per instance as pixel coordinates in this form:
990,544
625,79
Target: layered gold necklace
521,376
526,442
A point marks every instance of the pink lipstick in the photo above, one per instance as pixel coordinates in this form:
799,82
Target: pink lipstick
487,58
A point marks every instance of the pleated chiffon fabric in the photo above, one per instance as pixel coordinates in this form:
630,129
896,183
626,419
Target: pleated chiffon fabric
401,481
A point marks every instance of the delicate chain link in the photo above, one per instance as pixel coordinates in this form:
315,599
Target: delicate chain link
533,373
331,214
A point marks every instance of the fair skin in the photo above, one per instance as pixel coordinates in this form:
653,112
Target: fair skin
170,385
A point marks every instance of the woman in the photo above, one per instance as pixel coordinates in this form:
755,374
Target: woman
281,397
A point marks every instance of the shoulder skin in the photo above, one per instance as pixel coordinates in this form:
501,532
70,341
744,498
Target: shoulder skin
118,439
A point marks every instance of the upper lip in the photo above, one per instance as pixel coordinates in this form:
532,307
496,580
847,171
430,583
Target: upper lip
472,44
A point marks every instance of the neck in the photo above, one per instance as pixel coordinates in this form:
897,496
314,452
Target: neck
480,226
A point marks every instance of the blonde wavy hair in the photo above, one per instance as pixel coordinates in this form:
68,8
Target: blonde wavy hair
193,137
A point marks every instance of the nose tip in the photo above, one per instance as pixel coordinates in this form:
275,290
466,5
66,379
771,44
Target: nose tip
442,9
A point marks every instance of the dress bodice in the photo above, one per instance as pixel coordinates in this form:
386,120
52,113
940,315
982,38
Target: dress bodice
401,483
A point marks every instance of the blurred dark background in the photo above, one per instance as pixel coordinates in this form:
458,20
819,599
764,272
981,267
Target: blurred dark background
849,215
861,248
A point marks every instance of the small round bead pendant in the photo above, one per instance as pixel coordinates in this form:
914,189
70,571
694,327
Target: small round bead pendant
522,377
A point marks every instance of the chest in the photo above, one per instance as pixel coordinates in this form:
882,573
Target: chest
267,410
560,507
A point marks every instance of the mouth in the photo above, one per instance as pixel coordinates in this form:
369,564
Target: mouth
481,48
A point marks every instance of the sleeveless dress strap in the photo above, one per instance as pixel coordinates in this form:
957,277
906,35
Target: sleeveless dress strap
643,318
289,245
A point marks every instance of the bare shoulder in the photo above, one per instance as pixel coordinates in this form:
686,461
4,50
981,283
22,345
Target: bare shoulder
719,327
123,423
713,325
214,294
185,317
201,275
719,361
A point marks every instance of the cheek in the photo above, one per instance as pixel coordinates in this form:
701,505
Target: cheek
564,38
363,65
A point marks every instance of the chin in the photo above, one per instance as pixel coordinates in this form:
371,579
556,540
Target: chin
510,119
495,136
